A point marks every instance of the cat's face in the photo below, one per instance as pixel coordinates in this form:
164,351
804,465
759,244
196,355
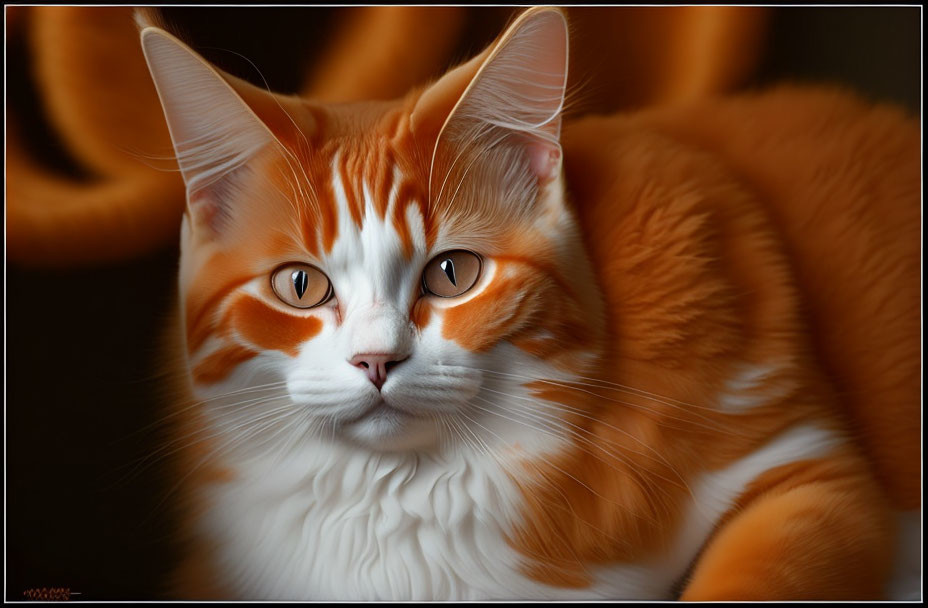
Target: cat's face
367,275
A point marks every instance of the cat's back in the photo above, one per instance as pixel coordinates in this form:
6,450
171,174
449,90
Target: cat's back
838,181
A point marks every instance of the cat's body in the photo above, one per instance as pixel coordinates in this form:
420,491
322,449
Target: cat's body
657,383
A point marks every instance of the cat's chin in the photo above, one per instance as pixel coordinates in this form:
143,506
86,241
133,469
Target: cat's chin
386,428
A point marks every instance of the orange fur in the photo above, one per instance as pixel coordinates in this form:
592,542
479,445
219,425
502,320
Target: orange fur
271,329
852,241
817,530
504,307
693,231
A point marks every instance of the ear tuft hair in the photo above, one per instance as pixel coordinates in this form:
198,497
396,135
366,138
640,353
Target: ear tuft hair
149,16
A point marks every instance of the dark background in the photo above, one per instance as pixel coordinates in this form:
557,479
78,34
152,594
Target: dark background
82,345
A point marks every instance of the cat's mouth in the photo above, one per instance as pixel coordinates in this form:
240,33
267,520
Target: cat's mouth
382,409
383,426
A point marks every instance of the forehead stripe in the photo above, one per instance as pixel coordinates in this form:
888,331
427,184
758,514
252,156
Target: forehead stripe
344,185
383,184
328,216
405,196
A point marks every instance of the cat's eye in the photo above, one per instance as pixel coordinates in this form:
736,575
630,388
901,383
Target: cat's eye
301,285
451,273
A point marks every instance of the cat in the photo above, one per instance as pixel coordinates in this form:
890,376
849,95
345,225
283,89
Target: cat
448,347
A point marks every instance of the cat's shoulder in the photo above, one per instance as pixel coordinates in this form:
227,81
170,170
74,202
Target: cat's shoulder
782,117
771,132
782,106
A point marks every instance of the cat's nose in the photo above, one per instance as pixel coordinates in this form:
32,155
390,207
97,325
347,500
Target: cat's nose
377,365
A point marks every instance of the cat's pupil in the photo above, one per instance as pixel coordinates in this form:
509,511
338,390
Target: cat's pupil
300,281
448,267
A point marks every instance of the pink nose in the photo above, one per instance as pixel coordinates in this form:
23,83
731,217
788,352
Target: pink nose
376,365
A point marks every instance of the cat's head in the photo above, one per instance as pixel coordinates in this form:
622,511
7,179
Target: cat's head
382,272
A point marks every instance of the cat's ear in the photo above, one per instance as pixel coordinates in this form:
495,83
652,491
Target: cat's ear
217,122
213,130
514,91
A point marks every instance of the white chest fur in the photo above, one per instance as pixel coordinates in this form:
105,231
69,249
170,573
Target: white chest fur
342,524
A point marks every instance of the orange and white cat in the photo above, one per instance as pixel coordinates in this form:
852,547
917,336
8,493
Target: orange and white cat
439,349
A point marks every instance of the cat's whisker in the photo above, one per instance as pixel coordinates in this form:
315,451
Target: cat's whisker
543,427
616,386
597,451
717,426
311,425
438,418
657,457
183,442
210,455
713,426
446,428
466,434
259,401
626,473
243,433
656,397
485,447
186,407
302,417
569,507
577,410
454,431
574,411
558,406
247,389
489,452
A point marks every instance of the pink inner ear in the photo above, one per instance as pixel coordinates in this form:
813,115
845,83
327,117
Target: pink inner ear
544,159
205,205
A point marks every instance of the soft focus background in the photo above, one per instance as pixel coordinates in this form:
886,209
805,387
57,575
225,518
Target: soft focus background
92,215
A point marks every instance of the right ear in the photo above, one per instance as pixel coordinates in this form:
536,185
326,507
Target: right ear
507,100
213,130
214,122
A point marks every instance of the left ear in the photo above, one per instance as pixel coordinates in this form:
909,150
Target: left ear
217,122
512,94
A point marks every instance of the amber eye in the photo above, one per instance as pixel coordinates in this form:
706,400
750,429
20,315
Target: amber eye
451,273
301,285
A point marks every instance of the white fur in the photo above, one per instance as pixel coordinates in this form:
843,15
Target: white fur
752,386
334,522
